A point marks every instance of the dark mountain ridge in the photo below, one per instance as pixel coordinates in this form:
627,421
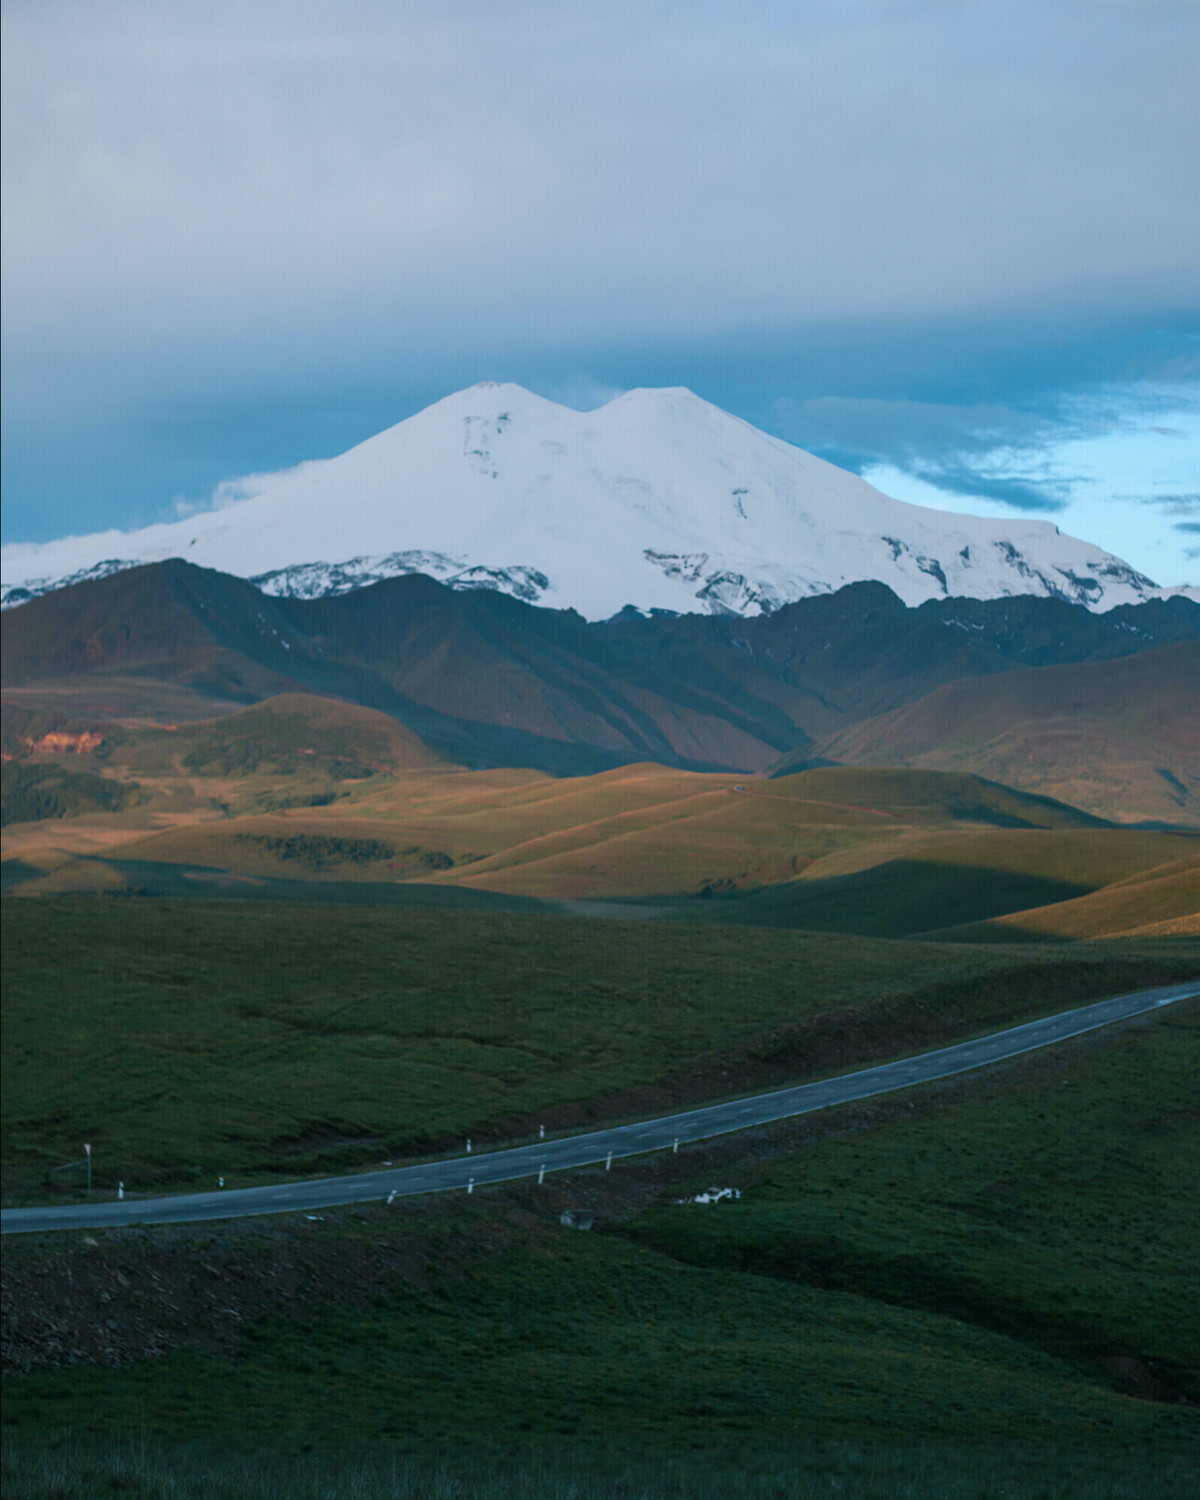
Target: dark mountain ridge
488,680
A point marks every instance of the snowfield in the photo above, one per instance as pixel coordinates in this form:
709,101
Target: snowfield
658,500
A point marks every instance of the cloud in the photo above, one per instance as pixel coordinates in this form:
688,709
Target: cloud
245,487
1047,495
904,429
293,178
237,235
991,451
1174,505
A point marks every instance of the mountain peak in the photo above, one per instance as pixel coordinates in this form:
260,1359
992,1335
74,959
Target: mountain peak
659,499
487,397
662,397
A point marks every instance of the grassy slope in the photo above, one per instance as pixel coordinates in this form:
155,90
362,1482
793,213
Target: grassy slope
342,738
943,882
238,1038
948,1278
585,1337
721,833
1062,1213
33,793
48,1467
881,852
1166,895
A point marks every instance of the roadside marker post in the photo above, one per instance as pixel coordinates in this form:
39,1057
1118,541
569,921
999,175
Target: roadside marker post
541,1132
608,1163
87,1151
675,1147
120,1192
542,1174
468,1148
470,1184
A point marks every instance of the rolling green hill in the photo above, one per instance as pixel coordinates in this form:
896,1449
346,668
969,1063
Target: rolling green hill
251,1038
276,803
298,731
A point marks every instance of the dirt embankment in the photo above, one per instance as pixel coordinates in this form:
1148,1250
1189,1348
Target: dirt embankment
122,1296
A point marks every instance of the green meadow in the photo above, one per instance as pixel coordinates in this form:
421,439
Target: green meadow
190,1038
1061,1213
816,1469
915,1305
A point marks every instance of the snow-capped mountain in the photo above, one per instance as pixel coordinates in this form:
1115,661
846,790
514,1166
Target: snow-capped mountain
658,500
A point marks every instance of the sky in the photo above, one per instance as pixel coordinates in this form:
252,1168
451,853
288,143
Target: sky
953,245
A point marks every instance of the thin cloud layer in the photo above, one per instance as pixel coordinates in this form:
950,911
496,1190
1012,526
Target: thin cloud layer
1177,505
537,171
241,236
992,451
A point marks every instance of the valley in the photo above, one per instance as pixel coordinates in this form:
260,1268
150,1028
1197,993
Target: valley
303,887
600,751
314,799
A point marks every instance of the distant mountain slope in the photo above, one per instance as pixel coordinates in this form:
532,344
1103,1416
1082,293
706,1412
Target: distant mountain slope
298,730
835,660
656,500
484,679
295,750
480,677
1121,738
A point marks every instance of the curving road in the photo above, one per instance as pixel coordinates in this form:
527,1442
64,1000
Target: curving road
585,1150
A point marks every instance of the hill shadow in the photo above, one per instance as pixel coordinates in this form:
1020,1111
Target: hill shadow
15,873
892,900
152,878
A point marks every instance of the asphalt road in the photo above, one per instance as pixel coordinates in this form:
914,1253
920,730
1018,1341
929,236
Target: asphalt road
585,1150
